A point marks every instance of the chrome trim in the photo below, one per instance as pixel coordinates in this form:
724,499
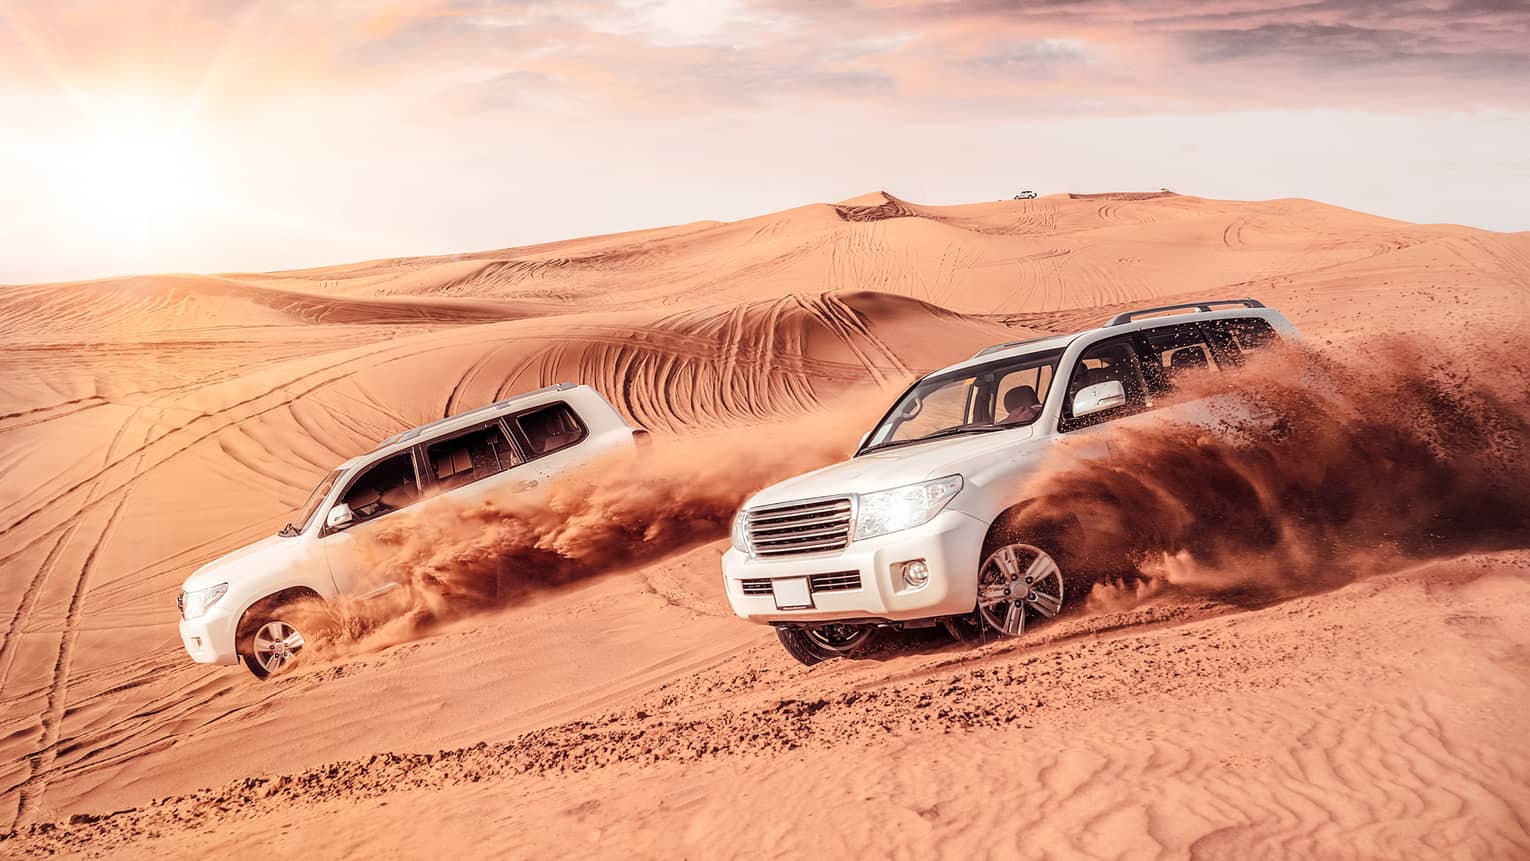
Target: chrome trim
833,581
801,526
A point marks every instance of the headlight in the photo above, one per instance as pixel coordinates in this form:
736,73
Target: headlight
903,507
741,532
194,604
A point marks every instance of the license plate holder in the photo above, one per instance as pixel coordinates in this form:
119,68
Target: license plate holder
792,593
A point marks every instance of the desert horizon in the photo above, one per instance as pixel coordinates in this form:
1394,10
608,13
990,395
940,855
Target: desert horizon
1356,689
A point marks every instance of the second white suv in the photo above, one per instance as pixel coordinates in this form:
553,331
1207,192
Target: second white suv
243,607
911,531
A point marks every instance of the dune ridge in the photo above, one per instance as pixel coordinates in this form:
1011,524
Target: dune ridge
150,424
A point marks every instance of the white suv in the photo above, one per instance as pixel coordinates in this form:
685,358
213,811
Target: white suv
911,531
239,607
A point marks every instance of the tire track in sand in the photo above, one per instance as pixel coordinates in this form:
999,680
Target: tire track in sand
52,719
24,607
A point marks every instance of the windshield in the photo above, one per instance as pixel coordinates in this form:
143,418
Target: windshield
1003,394
311,505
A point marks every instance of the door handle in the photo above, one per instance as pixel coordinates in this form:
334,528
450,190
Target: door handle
523,486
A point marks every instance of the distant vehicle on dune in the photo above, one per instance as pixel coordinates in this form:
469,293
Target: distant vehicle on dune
1026,195
239,607
917,528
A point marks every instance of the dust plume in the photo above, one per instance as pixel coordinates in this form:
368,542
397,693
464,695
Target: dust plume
1393,450
454,559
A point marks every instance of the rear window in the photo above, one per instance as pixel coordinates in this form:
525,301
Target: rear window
549,429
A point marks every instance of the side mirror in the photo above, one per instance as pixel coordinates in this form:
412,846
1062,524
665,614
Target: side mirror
1098,398
340,517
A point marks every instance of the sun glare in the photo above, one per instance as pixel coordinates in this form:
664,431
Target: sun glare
136,171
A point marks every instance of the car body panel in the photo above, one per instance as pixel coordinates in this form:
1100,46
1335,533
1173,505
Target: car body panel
995,468
331,563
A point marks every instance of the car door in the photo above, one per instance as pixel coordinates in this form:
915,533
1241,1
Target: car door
480,462
373,495
1174,355
1110,360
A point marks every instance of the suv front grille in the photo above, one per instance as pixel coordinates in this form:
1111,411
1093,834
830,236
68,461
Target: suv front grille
839,581
819,526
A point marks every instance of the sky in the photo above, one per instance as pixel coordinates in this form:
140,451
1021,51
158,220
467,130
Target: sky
251,135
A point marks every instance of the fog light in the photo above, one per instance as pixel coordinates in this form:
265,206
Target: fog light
916,573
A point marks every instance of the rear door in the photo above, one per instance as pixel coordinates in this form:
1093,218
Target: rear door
480,461
1176,355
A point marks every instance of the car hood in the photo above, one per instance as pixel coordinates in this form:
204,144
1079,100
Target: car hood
895,467
265,555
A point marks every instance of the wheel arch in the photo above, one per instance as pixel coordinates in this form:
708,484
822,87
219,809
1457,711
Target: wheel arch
1006,528
277,598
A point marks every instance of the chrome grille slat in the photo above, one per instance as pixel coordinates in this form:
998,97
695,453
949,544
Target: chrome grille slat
800,547
838,581
838,529
792,515
839,517
813,526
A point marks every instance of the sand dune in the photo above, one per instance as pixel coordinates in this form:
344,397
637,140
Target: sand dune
150,424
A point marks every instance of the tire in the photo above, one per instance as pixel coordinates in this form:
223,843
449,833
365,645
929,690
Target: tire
815,645
966,629
270,638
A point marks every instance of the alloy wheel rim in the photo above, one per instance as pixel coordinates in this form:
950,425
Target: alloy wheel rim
1018,585
838,638
277,644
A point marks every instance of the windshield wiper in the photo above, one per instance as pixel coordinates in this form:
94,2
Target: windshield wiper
289,531
959,429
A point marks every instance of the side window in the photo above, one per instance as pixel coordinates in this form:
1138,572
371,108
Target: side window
1112,360
471,456
550,428
1021,395
1172,352
387,486
1250,333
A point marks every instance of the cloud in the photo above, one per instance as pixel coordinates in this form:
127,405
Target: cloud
691,56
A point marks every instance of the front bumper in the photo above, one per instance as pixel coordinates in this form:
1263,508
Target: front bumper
949,544
209,638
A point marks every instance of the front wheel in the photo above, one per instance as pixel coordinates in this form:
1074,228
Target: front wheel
1019,586
820,643
271,642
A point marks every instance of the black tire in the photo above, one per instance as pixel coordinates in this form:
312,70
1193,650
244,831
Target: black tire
808,650
967,629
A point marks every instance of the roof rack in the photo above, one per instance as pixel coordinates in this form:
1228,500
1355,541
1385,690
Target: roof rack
997,347
414,432
1128,316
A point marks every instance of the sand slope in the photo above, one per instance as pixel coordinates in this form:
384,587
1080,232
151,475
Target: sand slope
148,425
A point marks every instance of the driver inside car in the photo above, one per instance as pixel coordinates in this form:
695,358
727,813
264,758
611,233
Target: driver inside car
1021,405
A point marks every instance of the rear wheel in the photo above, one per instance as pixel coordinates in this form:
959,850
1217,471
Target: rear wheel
820,643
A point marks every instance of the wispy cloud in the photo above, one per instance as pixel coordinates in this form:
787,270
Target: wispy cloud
398,116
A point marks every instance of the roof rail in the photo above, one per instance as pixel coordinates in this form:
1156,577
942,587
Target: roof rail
997,347
1128,316
414,432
